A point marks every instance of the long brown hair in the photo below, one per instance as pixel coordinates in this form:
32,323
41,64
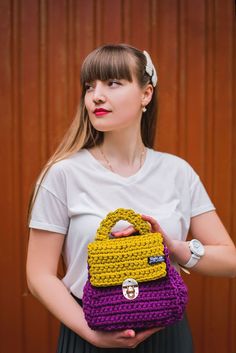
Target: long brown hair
111,61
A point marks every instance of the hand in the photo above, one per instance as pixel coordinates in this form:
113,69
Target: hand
120,339
178,249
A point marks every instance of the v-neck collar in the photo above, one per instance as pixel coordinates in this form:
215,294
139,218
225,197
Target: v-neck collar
116,176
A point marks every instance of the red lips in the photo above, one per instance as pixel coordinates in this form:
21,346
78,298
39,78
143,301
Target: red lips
101,111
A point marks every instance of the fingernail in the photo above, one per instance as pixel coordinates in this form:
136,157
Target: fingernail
131,333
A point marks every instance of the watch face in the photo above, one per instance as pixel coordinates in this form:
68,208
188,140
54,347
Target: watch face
196,247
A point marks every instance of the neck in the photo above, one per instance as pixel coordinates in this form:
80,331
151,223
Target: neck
124,146
121,153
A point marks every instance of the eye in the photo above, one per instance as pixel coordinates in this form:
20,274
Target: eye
114,83
88,86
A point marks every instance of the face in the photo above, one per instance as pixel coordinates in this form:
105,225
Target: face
115,104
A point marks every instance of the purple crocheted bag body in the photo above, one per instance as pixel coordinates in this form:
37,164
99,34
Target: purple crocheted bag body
136,305
160,303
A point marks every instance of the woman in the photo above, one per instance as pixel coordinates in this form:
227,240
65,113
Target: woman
104,162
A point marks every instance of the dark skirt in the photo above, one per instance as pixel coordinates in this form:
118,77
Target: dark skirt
176,338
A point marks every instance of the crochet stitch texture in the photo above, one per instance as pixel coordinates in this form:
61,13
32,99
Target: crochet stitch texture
159,302
112,260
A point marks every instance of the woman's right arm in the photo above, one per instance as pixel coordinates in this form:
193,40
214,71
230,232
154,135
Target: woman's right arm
44,252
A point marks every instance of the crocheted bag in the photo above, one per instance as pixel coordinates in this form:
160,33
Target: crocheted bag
131,282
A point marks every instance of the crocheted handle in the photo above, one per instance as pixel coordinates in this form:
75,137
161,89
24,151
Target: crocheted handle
121,214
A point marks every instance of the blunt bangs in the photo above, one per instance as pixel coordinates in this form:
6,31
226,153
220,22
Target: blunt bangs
109,62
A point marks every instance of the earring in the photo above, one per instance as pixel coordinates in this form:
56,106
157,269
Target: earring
144,109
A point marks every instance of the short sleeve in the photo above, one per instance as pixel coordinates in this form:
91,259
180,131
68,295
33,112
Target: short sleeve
50,211
200,200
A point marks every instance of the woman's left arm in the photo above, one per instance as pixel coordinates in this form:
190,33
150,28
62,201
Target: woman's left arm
220,251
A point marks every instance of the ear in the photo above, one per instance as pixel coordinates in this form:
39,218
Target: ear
147,95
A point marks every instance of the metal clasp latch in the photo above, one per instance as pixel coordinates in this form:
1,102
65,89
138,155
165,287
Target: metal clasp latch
130,288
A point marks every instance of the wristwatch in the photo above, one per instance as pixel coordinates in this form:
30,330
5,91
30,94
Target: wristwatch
197,251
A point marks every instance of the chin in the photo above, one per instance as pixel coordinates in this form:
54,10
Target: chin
102,128
107,127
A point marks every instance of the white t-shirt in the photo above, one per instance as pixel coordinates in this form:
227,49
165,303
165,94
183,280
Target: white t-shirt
78,192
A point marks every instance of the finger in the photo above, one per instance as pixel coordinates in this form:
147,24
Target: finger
154,224
128,333
157,228
125,232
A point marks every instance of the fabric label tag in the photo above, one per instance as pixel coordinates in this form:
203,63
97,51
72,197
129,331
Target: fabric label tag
152,260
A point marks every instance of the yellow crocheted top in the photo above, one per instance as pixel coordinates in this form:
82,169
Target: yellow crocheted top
112,260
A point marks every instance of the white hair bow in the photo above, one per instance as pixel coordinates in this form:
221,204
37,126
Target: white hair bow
150,69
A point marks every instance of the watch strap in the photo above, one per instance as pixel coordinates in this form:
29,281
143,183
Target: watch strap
192,261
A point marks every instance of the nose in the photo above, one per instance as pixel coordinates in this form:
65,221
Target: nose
98,93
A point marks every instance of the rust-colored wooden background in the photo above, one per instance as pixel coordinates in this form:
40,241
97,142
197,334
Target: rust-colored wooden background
42,44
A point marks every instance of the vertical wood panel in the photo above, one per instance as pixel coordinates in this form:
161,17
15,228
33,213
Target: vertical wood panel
42,45
111,18
126,12
85,34
11,308
139,24
33,145
222,162
167,17
57,71
232,302
209,146
182,73
195,124
195,82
